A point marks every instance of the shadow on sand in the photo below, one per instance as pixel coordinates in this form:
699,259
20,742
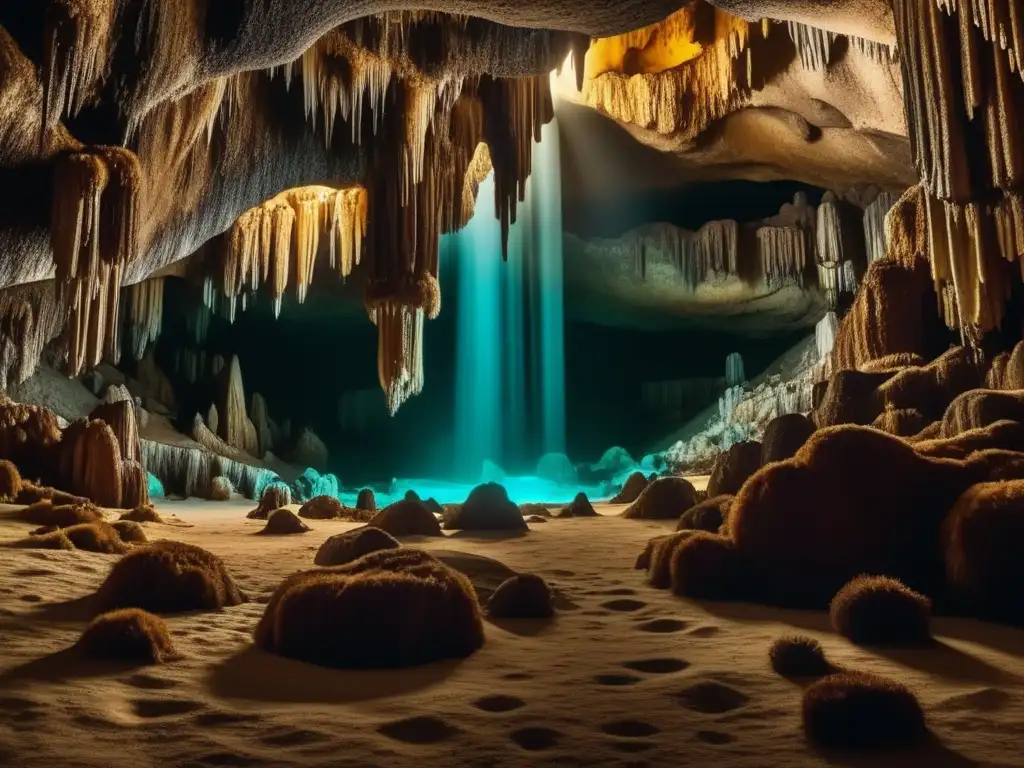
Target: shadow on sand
68,664
256,675
930,754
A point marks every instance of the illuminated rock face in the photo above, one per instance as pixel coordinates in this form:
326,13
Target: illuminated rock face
127,164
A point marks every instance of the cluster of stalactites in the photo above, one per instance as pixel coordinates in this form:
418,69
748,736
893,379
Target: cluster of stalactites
962,73
399,352
874,224
711,251
735,373
841,256
29,318
337,79
815,46
686,99
76,49
278,241
93,234
146,302
782,252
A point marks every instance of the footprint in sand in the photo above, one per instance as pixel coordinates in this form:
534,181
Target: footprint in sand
657,666
632,747
20,710
662,626
536,739
563,574
499,703
28,573
517,676
31,598
715,737
153,708
624,605
292,737
711,698
418,730
220,719
630,729
150,682
704,632
617,680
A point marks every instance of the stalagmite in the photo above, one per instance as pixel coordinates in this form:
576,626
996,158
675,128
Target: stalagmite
146,301
261,421
120,416
234,428
91,462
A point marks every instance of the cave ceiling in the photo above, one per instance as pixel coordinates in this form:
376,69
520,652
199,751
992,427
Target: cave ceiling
229,143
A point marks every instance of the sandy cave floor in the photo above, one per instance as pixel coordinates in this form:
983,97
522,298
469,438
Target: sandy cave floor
630,676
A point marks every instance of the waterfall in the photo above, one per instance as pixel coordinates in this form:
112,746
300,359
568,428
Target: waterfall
510,357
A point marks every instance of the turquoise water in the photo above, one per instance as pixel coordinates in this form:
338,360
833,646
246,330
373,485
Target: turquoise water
510,356
521,490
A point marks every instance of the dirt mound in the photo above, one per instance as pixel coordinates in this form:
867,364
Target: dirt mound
343,548
733,467
128,635
282,522
631,489
875,610
322,508
390,609
524,596
406,518
708,515
168,577
488,508
857,710
664,499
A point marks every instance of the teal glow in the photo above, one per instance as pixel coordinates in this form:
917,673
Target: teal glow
522,490
311,484
510,359
156,488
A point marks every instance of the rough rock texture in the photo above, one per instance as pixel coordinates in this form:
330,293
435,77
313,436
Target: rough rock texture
168,577
345,547
406,518
733,467
384,610
488,508
664,499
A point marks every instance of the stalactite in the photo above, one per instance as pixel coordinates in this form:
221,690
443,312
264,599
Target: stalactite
94,235
874,224
277,243
782,252
76,49
813,44
30,317
965,107
686,99
146,300
735,374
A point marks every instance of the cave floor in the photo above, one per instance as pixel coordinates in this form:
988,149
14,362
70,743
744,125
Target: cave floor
628,676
